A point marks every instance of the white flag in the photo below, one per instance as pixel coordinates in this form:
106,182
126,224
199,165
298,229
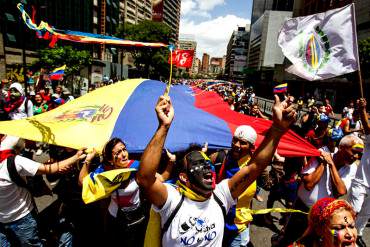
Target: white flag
321,46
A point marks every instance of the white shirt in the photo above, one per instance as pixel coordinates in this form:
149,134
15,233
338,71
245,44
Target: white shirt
363,171
129,198
20,112
196,223
324,187
15,201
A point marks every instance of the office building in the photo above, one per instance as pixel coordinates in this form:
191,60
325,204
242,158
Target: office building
205,63
260,6
186,42
133,11
236,54
168,12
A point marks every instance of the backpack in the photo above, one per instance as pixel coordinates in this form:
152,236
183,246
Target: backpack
167,224
35,185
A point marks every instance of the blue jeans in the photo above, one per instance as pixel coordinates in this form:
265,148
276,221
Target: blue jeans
22,232
242,239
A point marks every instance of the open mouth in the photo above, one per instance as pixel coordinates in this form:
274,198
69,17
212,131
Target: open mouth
208,178
349,243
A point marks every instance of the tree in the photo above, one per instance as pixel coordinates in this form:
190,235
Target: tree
151,62
364,50
74,59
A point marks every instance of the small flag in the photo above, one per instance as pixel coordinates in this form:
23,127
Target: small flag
322,45
282,88
182,58
57,74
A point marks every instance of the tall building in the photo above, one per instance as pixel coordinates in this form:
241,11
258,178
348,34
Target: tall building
236,54
168,12
187,43
260,6
197,66
132,11
264,51
92,16
205,63
215,66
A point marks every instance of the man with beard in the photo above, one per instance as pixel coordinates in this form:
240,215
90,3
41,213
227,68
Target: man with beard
237,224
197,221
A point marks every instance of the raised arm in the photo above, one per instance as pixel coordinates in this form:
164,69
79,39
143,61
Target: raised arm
283,116
146,178
363,116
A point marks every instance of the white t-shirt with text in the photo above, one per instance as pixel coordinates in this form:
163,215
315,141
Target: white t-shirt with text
196,223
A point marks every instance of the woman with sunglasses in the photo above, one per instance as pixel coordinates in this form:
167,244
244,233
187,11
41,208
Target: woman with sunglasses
125,220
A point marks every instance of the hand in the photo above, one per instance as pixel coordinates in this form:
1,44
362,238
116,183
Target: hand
362,104
80,155
165,111
283,114
327,158
171,156
90,156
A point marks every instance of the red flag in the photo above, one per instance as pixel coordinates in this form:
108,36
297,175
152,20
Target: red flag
182,58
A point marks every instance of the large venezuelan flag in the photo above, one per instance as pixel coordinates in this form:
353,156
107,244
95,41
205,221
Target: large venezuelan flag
126,110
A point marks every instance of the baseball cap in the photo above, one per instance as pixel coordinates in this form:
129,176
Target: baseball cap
246,133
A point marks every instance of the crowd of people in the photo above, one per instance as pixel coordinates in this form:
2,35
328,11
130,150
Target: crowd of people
201,195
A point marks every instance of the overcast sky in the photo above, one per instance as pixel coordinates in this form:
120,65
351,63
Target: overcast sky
211,22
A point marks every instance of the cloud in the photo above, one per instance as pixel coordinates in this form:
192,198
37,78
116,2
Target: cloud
199,7
212,36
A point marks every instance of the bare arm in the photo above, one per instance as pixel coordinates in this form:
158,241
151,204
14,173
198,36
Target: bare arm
62,166
363,116
339,185
170,163
154,189
283,116
310,180
86,167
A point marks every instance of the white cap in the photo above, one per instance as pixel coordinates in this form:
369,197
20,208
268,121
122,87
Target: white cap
246,133
17,86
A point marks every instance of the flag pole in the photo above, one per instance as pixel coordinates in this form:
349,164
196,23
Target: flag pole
358,56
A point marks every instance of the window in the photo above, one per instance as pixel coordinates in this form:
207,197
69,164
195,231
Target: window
11,37
9,17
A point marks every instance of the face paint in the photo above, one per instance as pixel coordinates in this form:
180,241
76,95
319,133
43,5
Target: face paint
200,171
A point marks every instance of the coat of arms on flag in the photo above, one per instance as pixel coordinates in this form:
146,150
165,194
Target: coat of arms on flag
322,45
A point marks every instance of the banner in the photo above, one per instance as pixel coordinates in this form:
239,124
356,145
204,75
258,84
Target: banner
157,10
182,58
322,45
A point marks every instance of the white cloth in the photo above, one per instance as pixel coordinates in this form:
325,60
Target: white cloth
324,187
21,112
360,200
363,171
129,198
359,194
196,223
322,45
15,201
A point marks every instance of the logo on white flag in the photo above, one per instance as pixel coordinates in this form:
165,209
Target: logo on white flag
315,50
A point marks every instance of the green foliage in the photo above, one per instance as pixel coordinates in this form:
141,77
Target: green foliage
364,50
151,62
56,57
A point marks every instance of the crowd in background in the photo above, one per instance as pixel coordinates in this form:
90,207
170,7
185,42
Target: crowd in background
297,182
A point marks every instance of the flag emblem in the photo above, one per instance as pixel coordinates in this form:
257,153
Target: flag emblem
316,50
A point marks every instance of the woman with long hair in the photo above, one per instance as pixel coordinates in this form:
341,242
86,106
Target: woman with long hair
125,221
